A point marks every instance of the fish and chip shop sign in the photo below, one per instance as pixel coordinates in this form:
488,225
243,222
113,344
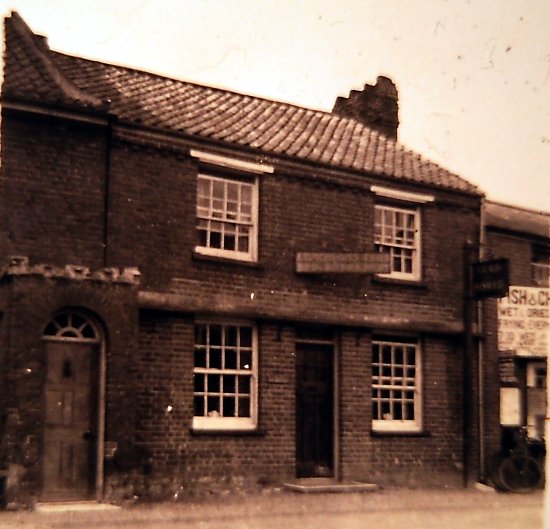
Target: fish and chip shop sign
524,321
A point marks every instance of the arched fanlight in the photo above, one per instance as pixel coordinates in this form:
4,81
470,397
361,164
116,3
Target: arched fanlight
71,325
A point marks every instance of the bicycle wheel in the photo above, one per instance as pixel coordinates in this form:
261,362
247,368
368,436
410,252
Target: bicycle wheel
520,473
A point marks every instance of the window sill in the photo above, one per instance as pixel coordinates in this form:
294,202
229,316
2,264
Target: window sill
400,433
225,260
199,432
413,283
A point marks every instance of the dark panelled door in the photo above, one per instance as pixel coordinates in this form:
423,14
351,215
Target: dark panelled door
70,421
314,410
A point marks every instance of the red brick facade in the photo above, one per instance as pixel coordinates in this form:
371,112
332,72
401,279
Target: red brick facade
86,190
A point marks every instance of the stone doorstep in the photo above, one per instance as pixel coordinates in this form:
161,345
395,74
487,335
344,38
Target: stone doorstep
74,506
311,485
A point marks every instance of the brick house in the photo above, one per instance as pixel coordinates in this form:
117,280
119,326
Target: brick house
517,326
208,290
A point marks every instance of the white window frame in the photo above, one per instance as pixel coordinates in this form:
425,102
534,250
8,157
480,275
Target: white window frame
392,246
217,422
211,215
394,382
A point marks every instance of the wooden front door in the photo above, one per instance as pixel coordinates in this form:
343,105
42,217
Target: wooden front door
69,467
314,410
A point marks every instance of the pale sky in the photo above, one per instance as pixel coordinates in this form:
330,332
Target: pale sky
473,75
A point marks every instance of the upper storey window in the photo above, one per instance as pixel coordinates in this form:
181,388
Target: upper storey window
227,217
397,232
227,205
540,265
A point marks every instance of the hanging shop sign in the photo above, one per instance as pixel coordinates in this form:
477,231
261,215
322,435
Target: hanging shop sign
342,263
489,278
524,321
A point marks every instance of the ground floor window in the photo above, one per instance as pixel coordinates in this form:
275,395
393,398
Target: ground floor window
225,376
396,389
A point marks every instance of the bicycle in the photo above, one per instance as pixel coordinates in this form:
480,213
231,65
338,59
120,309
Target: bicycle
520,468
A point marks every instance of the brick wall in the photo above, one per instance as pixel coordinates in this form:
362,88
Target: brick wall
181,460
56,170
52,185
296,214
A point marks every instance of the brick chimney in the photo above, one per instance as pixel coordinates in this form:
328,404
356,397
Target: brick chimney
375,106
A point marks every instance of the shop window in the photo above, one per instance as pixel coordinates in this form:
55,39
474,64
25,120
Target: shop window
396,387
536,375
225,376
397,232
227,214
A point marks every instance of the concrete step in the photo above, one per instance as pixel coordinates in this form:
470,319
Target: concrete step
74,506
312,485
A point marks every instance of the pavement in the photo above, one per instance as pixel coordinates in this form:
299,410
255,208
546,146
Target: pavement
390,508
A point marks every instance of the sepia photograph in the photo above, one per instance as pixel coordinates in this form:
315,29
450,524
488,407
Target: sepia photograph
274,264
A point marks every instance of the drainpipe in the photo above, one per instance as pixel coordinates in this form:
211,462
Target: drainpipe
481,356
466,361
106,194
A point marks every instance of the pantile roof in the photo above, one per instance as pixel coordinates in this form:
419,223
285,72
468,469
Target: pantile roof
36,73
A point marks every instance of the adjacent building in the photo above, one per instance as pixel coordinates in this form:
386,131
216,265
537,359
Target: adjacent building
205,290
518,326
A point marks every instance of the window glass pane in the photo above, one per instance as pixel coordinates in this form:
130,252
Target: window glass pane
386,354
229,384
398,354
229,406
200,357
244,407
201,333
245,360
213,406
246,336
198,405
243,244
375,353
246,194
218,190
198,383
229,241
203,187
215,240
231,336
215,335
397,414
233,192
215,358
230,359
244,385
213,383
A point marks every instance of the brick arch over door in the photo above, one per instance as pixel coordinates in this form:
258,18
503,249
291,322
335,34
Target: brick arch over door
74,410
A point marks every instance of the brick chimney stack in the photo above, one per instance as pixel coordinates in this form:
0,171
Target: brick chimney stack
375,106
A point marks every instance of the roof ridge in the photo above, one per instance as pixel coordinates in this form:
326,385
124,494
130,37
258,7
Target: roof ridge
39,47
520,208
165,77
